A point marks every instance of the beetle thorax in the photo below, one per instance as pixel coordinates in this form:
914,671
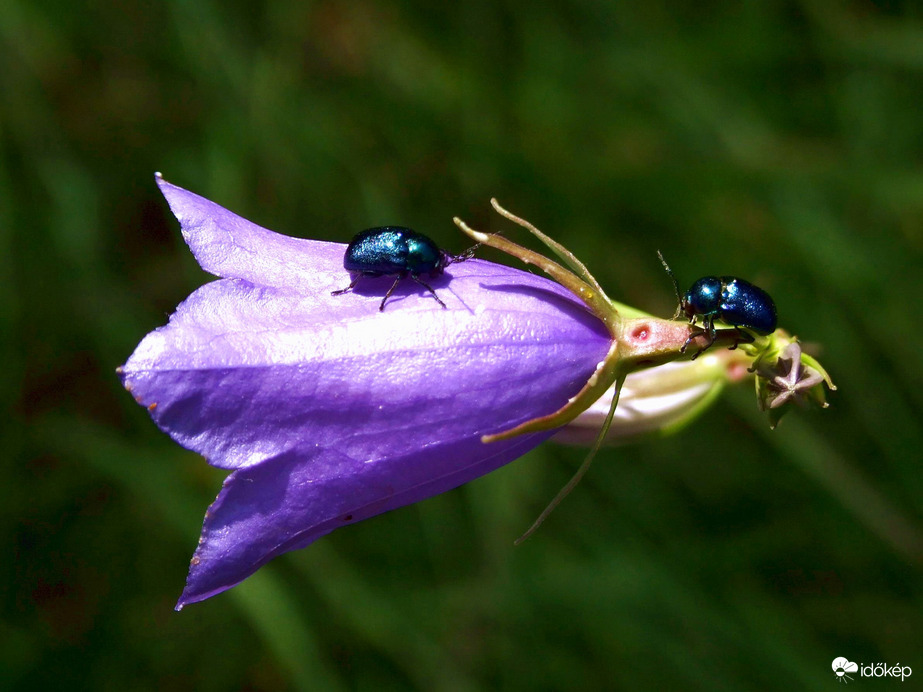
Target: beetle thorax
703,297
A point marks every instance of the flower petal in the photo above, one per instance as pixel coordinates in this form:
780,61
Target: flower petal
268,510
227,245
331,411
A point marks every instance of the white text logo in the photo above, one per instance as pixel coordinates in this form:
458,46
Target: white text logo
843,666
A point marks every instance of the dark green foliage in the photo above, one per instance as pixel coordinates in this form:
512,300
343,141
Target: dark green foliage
780,142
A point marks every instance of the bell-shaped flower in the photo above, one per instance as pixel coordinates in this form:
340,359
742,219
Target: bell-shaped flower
327,410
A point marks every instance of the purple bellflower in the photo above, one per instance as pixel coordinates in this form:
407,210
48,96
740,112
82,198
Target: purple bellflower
328,411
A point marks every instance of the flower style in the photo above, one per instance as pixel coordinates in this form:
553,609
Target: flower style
328,411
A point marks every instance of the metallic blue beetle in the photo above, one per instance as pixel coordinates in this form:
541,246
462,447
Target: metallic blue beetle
726,298
396,251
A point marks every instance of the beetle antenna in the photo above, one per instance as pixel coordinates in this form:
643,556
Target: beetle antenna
464,256
679,299
467,254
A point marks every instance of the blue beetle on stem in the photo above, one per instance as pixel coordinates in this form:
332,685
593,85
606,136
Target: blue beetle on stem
396,251
726,298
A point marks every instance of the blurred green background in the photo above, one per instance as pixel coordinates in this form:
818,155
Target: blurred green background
777,141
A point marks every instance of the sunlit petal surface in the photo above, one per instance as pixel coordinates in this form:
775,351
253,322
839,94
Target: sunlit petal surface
329,411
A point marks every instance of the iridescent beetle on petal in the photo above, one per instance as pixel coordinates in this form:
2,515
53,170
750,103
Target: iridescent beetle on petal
396,251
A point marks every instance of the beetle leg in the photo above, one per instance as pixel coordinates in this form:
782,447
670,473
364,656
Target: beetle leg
709,330
701,330
737,339
400,277
352,285
427,287
692,336
740,337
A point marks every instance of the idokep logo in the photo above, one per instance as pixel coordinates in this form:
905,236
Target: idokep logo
843,666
